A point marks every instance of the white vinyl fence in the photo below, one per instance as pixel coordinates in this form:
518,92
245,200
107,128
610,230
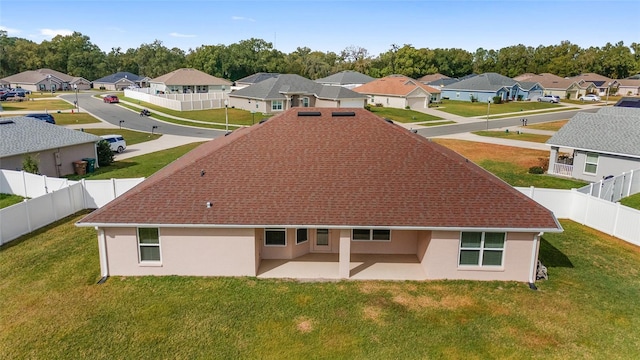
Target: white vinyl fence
51,199
179,102
615,188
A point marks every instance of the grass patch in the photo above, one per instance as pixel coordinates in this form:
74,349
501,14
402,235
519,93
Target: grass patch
51,106
632,201
402,115
549,126
51,308
468,109
196,123
139,166
74,119
513,135
536,113
7,200
132,137
510,164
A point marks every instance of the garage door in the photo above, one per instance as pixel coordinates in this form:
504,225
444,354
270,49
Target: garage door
352,103
417,103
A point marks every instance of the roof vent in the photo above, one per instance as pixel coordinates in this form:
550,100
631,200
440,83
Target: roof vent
343,113
309,113
6,122
263,121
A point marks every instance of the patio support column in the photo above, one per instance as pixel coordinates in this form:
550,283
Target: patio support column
553,156
345,254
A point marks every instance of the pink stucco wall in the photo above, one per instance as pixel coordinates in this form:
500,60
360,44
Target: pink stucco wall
402,242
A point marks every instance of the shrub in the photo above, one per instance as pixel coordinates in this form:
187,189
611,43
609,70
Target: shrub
407,107
379,105
30,164
105,155
497,100
367,107
536,170
103,88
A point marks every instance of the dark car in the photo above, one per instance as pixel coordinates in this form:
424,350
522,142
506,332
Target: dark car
43,116
111,99
12,95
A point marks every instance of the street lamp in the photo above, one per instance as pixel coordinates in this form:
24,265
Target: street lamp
606,102
75,87
50,87
488,107
226,115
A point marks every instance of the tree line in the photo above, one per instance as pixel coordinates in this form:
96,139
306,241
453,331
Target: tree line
76,55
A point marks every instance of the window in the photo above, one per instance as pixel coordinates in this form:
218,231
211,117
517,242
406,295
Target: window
276,105
304,101
371,235
275,237
149,244
302,235
591,164
481,248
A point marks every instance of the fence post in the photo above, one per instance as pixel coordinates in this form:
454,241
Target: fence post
84,195
615,220
24,184
44,182
113,188
630,182
532,192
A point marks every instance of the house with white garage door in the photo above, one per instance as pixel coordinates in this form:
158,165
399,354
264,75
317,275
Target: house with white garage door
399,91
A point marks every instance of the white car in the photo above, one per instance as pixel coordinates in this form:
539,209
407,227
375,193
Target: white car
549,98
589,97
116,142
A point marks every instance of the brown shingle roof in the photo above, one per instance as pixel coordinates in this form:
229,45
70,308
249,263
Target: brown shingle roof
187,76
338,171
432,77
395,85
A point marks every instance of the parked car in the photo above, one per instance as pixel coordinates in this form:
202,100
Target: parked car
43,116
111,99
117,142
589,97
12,95
549,98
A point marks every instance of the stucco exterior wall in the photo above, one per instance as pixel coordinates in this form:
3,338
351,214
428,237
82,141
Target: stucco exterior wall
388,101
185,251
47,159
402,242
607,165
441,259
326,103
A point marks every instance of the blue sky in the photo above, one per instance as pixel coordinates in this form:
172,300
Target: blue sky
327,25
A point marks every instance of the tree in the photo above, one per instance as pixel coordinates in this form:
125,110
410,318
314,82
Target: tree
156,59
74,55
105,154
30,164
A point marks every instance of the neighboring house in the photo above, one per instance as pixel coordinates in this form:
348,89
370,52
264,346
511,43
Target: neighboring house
432,77
120,81
286,91
322,187
604,85
630,102
55,148
629,87
554,85
253,79
399,91
347,79
186,81
605,143
485,87
47,80
4,84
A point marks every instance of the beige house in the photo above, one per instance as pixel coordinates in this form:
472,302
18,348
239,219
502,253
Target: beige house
399,91
322,193
628,87
603,84
556,85
187,81
120,81
47,80
55,148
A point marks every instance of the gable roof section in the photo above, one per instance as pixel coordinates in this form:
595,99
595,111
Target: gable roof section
432,77
612,130
256,78
189,76
394,85
326,171
593,77
114,78
483,82
27,135
345,78
546,80
276,88
28,77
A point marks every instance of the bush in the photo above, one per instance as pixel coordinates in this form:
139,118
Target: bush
367,107
30,164
536,170
379,105
102,88
407,107
105,155
497,100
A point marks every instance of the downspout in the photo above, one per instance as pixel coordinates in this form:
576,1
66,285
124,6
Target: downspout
534,263
102,248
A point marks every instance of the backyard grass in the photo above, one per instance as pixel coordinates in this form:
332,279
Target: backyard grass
7,200
550,126
468,109
130,136
53,309
74,119
405,116
50,105
632,201
510,164
513,135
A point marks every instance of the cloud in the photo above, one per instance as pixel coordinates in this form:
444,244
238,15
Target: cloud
51,33
178,35
10,31
242,18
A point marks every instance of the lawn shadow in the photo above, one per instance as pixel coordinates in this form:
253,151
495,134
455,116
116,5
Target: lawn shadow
550,256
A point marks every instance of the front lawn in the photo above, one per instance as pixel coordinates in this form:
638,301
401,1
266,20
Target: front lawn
74,119
515,135
632,201
49,105
403,115
53,309
7,200
130,136
469,109
550,126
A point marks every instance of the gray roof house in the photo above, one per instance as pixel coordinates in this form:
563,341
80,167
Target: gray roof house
55,148
348,79
121,80
602,144
286,91
485,86
46,80
253,79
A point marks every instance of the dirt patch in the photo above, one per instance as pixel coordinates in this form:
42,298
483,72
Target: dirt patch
373,313
477,152
369,287
304,325
449,302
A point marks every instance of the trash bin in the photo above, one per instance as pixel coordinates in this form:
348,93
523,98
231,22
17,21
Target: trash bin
80,167
91,164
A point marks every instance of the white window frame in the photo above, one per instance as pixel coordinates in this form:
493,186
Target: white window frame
274,230
586,163
304,101
371,231
141,245
298,242
276,105
482,250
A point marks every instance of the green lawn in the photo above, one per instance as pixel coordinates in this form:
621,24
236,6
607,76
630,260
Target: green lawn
73,119
130,136
632,201
50,105
513,135
7,200
468,109
403,115
53,309
519,177
564,108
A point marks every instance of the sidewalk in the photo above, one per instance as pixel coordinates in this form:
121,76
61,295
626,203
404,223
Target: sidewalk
163,143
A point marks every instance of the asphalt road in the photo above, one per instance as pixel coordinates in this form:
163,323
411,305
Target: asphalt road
113,114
